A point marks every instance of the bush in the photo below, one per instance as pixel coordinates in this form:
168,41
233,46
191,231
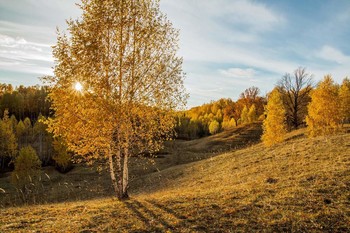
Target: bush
27,171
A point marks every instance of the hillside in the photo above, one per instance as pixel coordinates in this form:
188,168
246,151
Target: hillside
85,182
297,186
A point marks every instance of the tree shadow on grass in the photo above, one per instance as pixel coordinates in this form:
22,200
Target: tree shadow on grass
166,209
154,222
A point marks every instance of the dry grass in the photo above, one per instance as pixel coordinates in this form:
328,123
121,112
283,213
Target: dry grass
300,185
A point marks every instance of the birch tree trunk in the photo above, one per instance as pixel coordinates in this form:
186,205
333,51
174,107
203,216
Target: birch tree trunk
125,174
112,172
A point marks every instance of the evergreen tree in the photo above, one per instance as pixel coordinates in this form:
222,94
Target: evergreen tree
324,114
274,127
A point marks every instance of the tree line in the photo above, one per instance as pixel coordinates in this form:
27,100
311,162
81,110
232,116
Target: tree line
323,108
216,116
24,102
23,113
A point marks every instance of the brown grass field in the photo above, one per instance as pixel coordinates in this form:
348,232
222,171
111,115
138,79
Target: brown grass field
215,184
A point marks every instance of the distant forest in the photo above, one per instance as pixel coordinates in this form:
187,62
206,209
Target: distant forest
23,111
219,115
22,107
20,110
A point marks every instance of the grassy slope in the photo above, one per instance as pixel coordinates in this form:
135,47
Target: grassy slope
300,185
85,182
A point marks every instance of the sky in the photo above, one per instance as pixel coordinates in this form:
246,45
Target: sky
227,45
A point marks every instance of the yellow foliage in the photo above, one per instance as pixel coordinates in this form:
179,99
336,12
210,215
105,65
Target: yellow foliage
274,125
244,115
228,124
214,127
344,95
252,117
324,115
27,168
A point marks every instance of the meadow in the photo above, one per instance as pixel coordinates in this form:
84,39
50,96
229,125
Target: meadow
213,184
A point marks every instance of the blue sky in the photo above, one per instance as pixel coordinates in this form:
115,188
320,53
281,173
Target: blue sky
227,45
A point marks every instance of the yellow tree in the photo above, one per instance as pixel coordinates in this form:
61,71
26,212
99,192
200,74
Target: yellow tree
324,114
8,141
244,115
27,170
252,117
344,95
214,127
117,79
274,125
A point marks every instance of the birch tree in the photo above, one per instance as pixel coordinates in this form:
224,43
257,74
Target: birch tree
121,57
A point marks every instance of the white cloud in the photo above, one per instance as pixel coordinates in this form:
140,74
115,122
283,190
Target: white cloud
20,55
332,54
238,73
225,31
253,14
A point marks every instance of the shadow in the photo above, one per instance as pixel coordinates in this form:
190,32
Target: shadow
131,207
141,211
166,209
157,217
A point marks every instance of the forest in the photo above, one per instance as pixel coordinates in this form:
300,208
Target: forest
26,109
23,112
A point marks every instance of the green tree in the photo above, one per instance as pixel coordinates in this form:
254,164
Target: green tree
324,114
27,170
274,127
123,54
214,127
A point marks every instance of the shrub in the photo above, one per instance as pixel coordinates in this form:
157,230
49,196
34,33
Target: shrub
27,170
